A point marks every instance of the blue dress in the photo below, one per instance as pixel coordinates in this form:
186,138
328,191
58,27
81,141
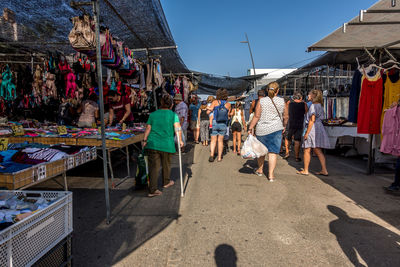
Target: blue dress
317,138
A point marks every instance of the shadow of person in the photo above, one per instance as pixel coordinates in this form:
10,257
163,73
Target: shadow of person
225,256
365,243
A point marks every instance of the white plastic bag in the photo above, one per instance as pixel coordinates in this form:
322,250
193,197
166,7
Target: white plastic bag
252,148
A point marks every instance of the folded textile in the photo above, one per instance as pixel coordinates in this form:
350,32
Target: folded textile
11,167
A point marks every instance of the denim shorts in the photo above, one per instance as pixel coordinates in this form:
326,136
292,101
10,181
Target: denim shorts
272,141
218,129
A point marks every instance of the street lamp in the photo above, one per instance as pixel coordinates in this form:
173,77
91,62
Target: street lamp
251,56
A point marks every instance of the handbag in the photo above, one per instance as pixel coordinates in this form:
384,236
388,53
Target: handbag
82,37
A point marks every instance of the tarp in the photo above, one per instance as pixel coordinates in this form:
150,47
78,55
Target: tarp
209,84
48,21
369,36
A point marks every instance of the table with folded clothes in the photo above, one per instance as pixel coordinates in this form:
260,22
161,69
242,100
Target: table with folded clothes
25,164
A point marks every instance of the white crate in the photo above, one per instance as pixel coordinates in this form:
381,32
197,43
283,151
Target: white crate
25,242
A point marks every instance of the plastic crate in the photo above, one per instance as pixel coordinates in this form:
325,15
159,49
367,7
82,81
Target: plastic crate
60,255
24,243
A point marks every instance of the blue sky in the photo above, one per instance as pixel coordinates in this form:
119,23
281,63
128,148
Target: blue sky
208,32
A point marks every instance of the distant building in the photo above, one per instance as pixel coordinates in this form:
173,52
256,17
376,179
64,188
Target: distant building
270,76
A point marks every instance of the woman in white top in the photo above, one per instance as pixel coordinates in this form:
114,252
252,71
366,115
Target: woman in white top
268,118
237,124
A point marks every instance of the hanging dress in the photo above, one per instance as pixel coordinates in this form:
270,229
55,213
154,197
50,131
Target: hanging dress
370,105
391,95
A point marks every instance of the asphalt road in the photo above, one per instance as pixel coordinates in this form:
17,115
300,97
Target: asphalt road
231,217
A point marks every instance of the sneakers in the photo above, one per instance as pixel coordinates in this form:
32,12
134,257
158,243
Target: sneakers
393,188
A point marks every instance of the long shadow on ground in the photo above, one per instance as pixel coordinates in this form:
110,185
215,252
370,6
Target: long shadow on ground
348,176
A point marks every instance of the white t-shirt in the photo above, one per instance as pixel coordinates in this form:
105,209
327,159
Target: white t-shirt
270,121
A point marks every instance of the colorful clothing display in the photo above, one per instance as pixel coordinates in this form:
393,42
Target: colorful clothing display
391,132
370,105
354,96
392,92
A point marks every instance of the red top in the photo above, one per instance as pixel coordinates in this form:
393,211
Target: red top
370,105
119,109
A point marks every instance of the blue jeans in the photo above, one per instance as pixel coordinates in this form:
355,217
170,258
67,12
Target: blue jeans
272,141
218,129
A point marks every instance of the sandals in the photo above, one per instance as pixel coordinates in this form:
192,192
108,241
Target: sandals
259,174
171,183
298,159
301,172
323,174
286,156
211,159
155,194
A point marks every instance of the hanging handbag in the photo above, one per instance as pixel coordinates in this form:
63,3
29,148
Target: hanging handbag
82,36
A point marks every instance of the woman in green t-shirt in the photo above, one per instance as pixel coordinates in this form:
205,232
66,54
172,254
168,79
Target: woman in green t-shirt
160,145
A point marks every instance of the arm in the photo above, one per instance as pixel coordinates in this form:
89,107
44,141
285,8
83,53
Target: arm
111,117
310,125
211,107
127,113
286,115
178,131
306,106
256,118
146,135
252,106
244,122
198,115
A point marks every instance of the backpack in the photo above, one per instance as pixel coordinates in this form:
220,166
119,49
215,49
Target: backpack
221,113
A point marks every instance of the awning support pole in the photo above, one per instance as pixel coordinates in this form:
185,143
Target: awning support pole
96,12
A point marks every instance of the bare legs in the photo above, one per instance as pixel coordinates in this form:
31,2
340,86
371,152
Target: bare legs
239,141
297,149
272,158
234,141
287,143
213,145
220,146
307,159
196,133
322,160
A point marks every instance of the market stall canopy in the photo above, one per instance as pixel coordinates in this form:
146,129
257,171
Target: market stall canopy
209,84
377,27
46,24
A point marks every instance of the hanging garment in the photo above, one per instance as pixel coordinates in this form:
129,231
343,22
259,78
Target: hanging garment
370,106
391,132
71,86
177,86
149,78
142,78
50,85
186,91
7,88
354,96
391,95
158,74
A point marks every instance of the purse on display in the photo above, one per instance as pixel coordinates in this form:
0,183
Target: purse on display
82,36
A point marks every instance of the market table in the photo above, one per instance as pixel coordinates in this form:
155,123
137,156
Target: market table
334,132
111,146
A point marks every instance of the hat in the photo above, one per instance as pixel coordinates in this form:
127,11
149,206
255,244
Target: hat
178,97
204,102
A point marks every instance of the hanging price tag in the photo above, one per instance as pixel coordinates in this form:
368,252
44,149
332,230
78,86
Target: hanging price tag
123,127
3,144
18,130
62,130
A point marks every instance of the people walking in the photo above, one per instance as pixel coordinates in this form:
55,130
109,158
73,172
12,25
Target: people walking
220,108
204,122
193,114
237,124
160,145
269,125
181,109
315,136
260,94
296,112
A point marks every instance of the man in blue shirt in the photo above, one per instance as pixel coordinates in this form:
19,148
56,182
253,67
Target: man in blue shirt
194,112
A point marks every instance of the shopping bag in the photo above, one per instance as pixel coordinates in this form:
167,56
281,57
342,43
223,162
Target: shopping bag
252,148
142,170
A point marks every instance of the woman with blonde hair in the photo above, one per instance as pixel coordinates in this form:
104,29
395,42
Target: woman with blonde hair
268,118
315,136
237,125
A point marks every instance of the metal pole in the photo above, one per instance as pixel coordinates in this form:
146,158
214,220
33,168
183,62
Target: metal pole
180,162
252,61
96,12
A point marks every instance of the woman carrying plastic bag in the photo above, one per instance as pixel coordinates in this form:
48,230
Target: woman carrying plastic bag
252,148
